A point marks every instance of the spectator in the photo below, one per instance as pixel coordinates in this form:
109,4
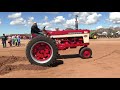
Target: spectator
10,41
17,36
4,38
18,40
15,41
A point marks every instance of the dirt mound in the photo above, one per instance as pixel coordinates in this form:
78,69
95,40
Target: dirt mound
10,59
5,66
8,68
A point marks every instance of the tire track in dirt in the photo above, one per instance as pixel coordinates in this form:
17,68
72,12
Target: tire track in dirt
115,51
104,65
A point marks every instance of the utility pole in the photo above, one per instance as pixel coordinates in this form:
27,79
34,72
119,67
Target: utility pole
76,22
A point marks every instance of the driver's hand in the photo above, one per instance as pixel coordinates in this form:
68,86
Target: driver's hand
44,31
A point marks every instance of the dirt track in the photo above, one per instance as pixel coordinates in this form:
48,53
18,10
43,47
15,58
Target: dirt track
105,62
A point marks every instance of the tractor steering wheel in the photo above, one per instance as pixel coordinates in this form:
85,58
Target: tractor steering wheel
44,31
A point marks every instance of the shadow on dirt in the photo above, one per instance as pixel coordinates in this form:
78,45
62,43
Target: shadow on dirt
68,56
56,63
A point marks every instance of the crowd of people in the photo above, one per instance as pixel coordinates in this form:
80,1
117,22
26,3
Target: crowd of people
12,40
15,40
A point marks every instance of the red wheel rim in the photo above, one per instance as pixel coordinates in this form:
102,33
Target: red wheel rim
86,53
41,52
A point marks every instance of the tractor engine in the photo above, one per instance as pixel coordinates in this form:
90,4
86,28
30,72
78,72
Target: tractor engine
66,43
70,38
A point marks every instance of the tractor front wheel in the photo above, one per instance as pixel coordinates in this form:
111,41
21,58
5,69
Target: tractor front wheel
85,52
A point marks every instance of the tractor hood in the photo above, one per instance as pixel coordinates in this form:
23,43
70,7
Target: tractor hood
63,32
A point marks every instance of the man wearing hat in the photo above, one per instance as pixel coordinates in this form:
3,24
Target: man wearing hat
35,30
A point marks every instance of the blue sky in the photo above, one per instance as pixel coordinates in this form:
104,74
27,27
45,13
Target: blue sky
20,22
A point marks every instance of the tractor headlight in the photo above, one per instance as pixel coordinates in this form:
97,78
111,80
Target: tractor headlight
85,35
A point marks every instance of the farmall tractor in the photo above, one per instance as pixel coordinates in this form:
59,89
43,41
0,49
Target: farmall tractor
43,50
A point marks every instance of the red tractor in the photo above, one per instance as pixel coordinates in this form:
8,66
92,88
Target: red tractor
43,50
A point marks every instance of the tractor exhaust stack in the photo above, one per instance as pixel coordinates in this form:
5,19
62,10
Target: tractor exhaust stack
76,22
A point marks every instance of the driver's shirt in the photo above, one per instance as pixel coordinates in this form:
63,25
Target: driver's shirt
35,29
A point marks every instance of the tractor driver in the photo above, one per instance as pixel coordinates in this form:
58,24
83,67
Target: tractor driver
36,30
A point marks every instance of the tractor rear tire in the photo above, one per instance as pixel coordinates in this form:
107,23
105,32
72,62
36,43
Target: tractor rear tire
85,53
41,51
